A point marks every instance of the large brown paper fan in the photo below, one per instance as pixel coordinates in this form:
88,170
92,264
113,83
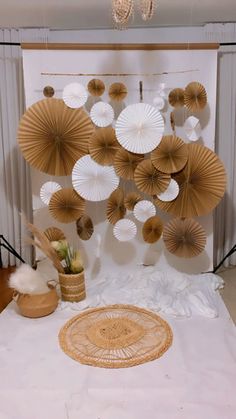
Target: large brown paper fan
96,87
184,238
125,163
115,206
176,98
131,199
103,146
52,136
149,180
171,155
84,226
195,96
152,229
118,91
54,234
66,205
201,182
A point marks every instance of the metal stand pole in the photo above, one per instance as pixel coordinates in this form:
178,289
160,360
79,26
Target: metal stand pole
9,248
225,257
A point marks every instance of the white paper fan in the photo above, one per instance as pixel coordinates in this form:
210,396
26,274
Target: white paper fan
170,193
143,210
47,190
93,181
161,89
139,128
74,95
192,128
124,230
102,114
159,102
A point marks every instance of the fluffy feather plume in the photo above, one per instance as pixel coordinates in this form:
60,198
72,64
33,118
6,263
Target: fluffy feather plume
28,281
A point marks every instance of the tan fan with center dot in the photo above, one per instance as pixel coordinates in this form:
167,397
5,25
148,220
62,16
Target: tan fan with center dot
54,234
149,180
131,199
171,155
118,91
195,96
96,87
115,206
66,205
152,229
103,146
84,227
125,163
176,97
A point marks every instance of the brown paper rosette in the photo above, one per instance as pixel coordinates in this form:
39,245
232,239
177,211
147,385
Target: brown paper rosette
48,91
125,163
202,184
84,227
103,146
171,155
115,206
54,234
96,87
184,238
66,205
149,180
195,96
52,137
117,91
131,199
176,98
152,229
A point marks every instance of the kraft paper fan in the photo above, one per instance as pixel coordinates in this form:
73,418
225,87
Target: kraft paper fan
202,184
74,95
152,229
121,12
102,114
125,230
96,87
125,163
170,193
117,91
93,181
52,137
115,206
131,199
171,155
47,190
66,205
84,227
147,8
54,234
176,98
139,128
195,96
149,180
143,210
103,146
192,128
48,91
184,238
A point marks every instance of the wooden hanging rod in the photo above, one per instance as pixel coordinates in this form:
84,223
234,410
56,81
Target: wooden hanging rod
125,47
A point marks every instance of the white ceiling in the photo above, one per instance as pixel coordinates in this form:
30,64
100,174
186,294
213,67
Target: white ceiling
92,14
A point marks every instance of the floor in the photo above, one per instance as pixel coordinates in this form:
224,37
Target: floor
5,292
229,292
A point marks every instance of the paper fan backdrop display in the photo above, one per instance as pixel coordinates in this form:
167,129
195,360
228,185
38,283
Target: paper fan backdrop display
74,95
84,227
54,234
192,128
115,206
131,199
195,96
171,155
152,229
52,137
184,238
143,210
93,181
139,128
149,180
103,146
96,87
66,205
125,230
170,193
202,184
125,163
176,98
47,190
102,114
117,91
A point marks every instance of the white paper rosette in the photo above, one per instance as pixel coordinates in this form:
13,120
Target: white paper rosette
192,128
102,114
74,95
47,190
170,193
143,210
124,230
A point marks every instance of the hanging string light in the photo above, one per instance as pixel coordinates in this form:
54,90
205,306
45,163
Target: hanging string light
122,11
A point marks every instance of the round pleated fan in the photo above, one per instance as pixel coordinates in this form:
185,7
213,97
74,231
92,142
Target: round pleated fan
184,238
143,210
102,114
147,8
195,96
48,91
131,199
152,230
96,87
84,227
66,205
52,137
54,234
192,128
159,102
115,206
125,230
74,95
103,146
125,163
171,155
202,184
149,180
176,98
121,12
117,91
47,190
170,193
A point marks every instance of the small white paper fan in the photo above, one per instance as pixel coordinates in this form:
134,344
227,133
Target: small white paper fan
170,193
93,181
159,102
47,190
102,114
192,128
124,230
143,210
139,128
74,95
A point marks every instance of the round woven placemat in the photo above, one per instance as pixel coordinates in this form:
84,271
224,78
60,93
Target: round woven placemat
116,336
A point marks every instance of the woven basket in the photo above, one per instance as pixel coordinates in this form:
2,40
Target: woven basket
37,305
72,287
